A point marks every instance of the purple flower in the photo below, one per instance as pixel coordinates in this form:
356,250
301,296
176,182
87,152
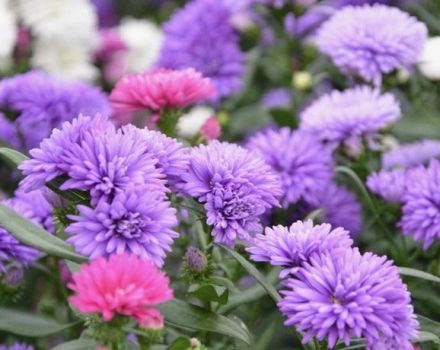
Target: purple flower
200,36
236,187
42,103
302,163
292,246
372,40
339,206
390,185
421,204
17,346
344,115
277,98
8,132
136,220
411,154
171,155
350,295
309,21
35,208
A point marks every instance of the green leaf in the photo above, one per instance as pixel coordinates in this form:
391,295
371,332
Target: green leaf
427,337
428,325
182,315
12,157
260,278
209,293
33,235
78,344
30,325
181,343
406,271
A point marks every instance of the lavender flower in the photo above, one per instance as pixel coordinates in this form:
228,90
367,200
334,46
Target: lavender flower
341,116
339,206
236,187
372,40
421,203
43,103
390,185
17,346
277,98
200,36
137,220
411,154
303,164
292,246
350,295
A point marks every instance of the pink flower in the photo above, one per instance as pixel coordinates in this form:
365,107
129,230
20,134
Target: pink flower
125,285
211,130
160,88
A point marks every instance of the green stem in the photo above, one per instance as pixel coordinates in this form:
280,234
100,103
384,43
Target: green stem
168,121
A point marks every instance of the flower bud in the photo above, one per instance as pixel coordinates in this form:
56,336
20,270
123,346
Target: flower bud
196,260
302,80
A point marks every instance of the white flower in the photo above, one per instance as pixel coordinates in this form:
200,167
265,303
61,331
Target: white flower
8,30
429,62
64,60
144,40
190,123
73,20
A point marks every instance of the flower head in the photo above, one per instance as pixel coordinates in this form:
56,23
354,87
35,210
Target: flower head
122,285
8,133
160,88
236,187
292,246
360,111
42,103
201,36
409,155
390,185
17,346
350,295
421,203
137,220
372,40
303,164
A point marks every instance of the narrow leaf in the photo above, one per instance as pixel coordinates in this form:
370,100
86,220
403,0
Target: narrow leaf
428,325
12,157
209,293
181,343
259,277
191,317
29,325
29,233
406,271
78,344
427,337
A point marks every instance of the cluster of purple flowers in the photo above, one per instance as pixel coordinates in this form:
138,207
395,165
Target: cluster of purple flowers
126,172
38,103
333,291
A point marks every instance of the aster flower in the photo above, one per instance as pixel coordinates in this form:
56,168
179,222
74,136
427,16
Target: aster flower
421,203
137,220
48,161
360,111
302,163
292,246
390,185
17,346
236,187
189,124
201,36
412,154
122,285
277,98
350,295
43,103
429,64
339,207
160,88
372,40
172,157
8,133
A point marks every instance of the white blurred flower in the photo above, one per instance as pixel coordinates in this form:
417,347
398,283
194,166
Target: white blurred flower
190,123
64,60
429,62
8,30
144,40
73,20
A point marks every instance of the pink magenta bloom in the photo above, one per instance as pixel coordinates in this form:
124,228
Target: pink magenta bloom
125,285
211,130
160,88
